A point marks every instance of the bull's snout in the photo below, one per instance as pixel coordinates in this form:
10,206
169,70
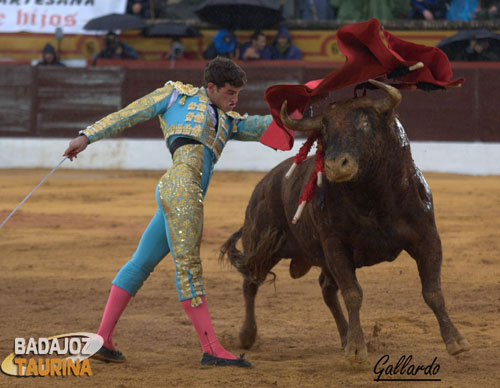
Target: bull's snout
341,169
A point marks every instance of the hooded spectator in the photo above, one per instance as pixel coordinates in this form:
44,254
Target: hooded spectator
224,45
49,57
283,47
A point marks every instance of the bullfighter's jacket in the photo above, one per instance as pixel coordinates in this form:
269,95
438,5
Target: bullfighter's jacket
183,110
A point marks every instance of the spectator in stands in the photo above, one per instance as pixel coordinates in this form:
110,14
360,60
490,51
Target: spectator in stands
317,10
176,50
257,48
428,9
115,49
349,9
489,9
461,10
358,10
283,47
477,50
224,45
139,8
49,57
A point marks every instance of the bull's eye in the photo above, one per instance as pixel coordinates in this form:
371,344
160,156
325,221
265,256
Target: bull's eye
364,125
361,121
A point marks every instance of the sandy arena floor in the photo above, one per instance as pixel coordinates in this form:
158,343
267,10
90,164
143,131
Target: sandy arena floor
59,253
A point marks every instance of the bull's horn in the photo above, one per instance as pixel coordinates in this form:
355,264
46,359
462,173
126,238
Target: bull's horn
391,101
305,124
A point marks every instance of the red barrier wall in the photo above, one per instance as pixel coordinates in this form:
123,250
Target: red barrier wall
57,102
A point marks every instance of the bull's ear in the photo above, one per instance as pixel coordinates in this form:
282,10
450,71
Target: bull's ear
392,99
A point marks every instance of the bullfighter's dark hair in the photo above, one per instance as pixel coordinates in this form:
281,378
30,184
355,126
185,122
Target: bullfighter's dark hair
221,71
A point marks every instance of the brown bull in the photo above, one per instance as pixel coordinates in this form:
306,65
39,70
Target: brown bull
374,204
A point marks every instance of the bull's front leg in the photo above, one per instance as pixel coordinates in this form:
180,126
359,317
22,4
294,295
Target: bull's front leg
343,271
355,349
330,289
248,331
428,255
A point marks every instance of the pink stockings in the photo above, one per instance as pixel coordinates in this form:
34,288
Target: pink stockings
199,316
117,301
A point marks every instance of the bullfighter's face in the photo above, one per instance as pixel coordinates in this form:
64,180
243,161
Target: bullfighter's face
225,97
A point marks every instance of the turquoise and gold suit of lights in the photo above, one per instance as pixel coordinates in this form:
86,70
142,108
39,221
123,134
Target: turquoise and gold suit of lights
178,223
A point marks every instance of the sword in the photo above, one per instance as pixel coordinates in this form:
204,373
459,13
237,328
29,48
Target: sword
32,191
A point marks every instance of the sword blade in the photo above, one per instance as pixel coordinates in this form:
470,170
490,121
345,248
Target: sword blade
32,191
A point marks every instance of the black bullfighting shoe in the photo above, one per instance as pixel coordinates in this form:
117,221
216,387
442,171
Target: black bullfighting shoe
208,359
109,355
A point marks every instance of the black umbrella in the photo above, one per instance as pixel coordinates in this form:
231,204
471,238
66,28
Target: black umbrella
115,21
240,14
472,45
171,30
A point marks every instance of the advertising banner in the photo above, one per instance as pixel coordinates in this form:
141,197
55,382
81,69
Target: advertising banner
44,16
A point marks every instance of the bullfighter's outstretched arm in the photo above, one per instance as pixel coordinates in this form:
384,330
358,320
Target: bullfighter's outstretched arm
251,128
141,110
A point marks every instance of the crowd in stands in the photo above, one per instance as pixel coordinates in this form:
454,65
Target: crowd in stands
225,44
356,10
281,47
400,9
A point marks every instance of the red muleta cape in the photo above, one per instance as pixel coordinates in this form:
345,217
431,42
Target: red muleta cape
366,57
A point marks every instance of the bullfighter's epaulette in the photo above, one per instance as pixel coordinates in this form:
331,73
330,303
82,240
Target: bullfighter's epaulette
235,115
183,88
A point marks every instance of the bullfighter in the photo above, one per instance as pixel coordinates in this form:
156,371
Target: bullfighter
196,122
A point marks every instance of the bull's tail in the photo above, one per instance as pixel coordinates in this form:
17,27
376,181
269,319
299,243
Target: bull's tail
256,263
233,254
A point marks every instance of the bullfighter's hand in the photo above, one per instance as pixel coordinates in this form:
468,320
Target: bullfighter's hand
77,145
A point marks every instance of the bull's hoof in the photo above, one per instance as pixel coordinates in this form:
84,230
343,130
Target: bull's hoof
247,337
456,347
358,361
355,354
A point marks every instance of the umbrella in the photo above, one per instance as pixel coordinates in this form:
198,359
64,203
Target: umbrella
115,21
240,14
472,45
171,30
